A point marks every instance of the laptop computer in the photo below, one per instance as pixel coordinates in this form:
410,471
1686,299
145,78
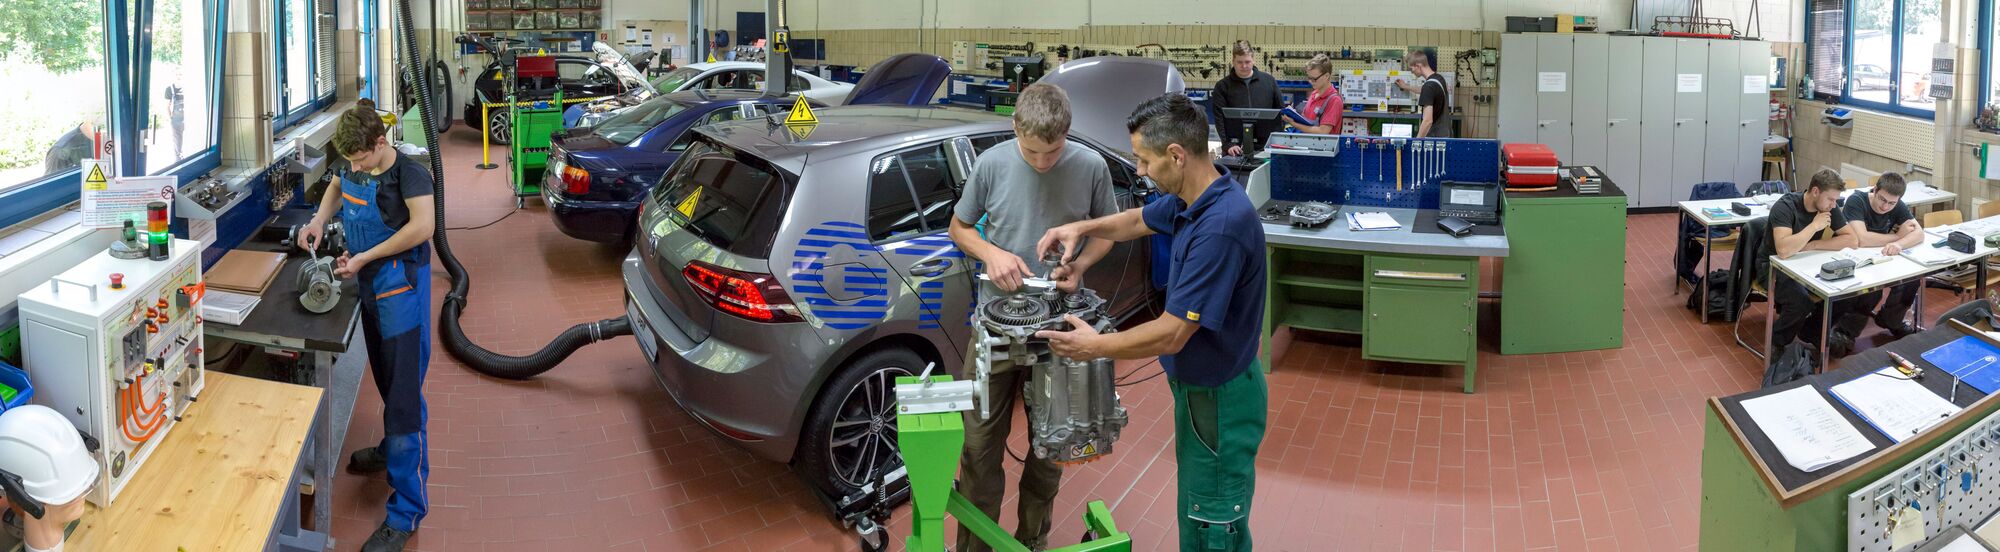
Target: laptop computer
1476,202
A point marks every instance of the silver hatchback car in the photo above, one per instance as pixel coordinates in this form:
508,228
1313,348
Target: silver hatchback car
779,282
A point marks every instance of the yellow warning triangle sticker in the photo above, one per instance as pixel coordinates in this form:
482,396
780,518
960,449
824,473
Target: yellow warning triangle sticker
711,57
686,206
95,180
802,114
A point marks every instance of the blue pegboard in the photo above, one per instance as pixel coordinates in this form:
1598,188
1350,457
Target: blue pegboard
1365,174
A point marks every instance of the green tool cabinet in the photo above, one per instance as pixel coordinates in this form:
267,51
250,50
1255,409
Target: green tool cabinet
1563,281
1406,307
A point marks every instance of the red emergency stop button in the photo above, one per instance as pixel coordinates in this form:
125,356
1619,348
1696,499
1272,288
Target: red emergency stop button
117,280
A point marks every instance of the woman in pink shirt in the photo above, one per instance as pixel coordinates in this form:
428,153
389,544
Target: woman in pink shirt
1324,104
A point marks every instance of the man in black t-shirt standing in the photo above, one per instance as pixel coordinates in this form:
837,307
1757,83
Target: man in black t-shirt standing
1433,96
1804,221
1880,219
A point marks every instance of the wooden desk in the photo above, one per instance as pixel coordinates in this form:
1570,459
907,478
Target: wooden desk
223,478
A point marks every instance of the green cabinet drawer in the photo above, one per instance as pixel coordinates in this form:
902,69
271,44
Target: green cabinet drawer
1452,272
1418,324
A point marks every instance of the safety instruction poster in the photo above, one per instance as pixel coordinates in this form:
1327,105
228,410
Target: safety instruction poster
1689,83
121,199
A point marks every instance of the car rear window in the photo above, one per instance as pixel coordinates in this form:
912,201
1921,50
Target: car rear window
628,125
737,199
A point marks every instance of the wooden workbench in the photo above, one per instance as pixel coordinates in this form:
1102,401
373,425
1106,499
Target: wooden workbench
220,480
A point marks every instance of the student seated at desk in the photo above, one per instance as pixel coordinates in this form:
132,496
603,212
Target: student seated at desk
1806,221
1880,219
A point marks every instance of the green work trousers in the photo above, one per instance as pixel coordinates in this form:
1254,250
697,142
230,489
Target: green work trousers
1216,434
980,477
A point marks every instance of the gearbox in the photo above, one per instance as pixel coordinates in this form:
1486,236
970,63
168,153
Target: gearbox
1073,411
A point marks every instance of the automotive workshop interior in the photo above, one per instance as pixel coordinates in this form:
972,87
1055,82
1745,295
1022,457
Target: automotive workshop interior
928,275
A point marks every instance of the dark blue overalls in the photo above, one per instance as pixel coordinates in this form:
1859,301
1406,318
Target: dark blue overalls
395,322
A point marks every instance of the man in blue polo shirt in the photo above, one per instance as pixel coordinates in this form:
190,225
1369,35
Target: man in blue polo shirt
1207,338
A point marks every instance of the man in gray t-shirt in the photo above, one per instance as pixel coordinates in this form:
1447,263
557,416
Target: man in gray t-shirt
1021,188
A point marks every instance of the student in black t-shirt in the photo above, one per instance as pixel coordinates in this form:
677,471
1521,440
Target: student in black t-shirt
1433,96
1880,219
1804,221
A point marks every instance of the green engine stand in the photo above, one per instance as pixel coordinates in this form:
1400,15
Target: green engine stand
930,442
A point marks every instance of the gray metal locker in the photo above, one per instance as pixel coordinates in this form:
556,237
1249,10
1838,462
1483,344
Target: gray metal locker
1690,114
1589,87
1657,124
1517,88
1725,93
1552,109
1623,148
1756,113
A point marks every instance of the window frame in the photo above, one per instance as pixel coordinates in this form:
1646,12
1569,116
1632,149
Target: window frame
1895,68
909,188
286,118
24,202
1985,41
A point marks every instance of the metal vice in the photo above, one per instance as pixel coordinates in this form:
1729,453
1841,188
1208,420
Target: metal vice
930,431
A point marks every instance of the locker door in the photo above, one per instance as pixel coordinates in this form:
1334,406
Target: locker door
1656,126
1725,92
1756,109
1552,109
1589,85
1690,114
1622,115
1517,88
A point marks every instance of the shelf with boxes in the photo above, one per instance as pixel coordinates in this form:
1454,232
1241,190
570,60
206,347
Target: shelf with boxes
533,15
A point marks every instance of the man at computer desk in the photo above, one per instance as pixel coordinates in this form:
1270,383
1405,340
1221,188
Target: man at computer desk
1243,87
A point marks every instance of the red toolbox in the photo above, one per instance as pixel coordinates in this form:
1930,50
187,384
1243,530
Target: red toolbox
1530,165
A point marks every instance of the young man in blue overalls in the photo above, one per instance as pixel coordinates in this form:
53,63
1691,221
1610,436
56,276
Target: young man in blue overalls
384,201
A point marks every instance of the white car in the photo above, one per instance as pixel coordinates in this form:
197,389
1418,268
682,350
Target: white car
747,75
721,75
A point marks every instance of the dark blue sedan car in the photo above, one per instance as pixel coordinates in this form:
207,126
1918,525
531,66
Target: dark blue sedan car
598,175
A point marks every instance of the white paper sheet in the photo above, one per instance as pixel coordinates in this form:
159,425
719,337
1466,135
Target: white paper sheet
1372,221
1688,83
1929,256
1805,429
1553,81
1897,407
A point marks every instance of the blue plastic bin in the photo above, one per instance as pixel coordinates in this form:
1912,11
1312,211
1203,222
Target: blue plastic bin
16,378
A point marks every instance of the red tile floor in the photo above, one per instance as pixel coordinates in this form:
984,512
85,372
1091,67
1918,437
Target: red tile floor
1584,451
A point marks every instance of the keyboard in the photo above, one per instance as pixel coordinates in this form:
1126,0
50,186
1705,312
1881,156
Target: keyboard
1477,216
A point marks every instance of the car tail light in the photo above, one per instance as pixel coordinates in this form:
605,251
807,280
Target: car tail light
576,181
747,295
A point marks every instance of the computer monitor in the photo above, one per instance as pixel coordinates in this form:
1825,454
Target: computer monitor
1398,130
1021,71
1248,118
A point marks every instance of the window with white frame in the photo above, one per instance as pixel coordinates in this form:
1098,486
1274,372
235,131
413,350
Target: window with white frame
54,123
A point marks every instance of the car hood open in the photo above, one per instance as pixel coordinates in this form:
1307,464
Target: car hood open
903,79
1104,90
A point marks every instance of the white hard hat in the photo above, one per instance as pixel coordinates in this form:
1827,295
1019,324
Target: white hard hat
45,451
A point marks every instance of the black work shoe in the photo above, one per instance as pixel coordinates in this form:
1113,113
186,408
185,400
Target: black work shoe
1839,344
386,539
367,461
1899,328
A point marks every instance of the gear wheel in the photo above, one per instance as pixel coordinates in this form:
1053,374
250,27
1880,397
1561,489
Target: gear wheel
1017,310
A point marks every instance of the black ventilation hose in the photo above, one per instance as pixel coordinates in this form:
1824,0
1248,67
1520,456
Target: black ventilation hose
455,342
